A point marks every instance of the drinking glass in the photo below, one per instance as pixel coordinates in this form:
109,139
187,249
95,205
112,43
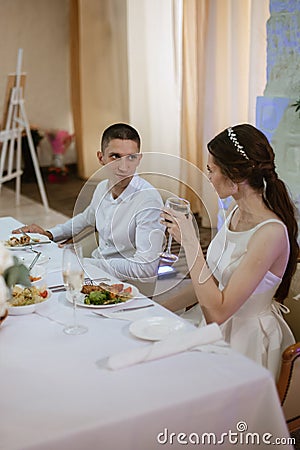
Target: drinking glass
73,275
183,206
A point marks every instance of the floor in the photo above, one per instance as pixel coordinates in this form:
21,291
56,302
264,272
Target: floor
61,194
28,211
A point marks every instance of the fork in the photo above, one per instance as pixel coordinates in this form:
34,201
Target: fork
30,239
34,261
91,281
27,235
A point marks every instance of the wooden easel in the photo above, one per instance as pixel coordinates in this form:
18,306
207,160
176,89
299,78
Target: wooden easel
16,122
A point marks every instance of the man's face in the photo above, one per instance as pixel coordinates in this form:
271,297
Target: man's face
123,158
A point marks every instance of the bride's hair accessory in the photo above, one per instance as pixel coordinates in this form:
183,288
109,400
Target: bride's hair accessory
238,146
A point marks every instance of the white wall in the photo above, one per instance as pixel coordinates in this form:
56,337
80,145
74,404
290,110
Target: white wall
41,28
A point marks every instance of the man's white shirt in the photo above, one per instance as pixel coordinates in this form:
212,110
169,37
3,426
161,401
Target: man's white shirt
130,233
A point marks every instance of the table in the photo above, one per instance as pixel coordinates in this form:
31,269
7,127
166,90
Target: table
57,393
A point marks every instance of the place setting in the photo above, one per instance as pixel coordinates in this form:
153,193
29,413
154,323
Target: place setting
113,301
25,241
27,291
166,336
27,248
174,339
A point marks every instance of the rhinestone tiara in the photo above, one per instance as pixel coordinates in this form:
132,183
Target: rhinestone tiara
238,146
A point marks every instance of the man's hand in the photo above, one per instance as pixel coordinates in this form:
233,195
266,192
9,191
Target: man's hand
67,241
33,228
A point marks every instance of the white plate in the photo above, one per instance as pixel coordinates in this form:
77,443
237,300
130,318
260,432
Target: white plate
156,328
29,256
42,239
80,300
27,309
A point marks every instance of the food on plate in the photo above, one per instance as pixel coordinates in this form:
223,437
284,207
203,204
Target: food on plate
33,279
105,294
114,288
14,241
24,240
27,296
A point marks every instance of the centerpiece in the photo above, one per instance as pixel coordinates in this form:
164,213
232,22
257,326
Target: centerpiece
12,272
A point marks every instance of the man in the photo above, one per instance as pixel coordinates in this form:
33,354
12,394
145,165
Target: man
125,210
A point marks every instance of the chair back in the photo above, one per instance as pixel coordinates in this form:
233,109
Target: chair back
288,386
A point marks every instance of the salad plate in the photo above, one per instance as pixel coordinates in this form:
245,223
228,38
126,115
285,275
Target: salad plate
156,328
80,299
29,309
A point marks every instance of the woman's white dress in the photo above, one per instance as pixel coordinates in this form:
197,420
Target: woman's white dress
257,329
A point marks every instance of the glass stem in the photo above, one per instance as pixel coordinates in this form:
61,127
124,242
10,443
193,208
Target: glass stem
74,309
169,244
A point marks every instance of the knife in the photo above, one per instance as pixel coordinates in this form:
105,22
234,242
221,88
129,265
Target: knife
100,313
133,308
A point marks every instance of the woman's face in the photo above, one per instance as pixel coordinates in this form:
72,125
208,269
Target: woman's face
222,184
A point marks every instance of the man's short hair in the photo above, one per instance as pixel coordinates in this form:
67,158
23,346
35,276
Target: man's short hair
119,131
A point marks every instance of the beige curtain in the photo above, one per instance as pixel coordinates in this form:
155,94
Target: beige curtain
224,60
194,31
75,80
99,73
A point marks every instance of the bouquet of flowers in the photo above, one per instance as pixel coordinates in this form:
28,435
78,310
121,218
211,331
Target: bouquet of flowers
60,141
11,273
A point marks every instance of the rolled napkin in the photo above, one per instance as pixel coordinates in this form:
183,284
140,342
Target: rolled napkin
175,343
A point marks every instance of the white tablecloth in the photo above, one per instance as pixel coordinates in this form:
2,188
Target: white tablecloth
56,392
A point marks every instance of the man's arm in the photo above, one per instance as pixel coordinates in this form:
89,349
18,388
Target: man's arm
149,237
76,224
65,230
33,228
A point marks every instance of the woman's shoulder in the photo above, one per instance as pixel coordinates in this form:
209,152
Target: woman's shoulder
272,230
272,220
257,221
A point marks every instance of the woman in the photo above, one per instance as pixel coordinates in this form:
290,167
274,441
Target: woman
253,257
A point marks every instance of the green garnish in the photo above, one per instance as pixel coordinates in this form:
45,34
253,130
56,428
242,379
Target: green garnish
102,298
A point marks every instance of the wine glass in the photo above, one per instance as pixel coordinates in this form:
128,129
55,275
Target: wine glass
73,275
183,206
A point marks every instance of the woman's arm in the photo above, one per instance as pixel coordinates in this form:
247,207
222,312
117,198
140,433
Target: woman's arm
219,305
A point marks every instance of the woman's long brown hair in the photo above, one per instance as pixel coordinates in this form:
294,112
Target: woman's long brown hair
259,170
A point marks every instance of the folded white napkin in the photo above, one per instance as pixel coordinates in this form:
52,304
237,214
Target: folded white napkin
176,343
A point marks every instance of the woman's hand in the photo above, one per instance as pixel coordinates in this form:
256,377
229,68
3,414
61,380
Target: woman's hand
180,226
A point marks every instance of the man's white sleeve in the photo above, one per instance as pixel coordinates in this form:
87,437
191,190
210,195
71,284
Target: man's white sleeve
74,225
149,241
